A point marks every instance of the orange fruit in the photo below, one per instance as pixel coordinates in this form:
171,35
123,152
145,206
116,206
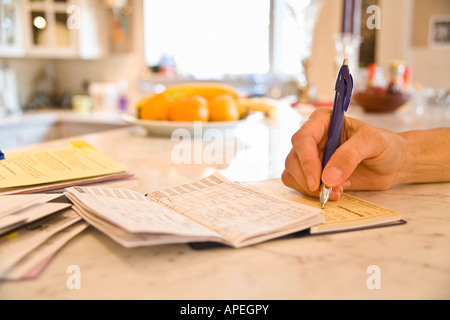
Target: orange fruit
224,108
191,108
155,107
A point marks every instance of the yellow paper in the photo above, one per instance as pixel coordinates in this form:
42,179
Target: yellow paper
349,213
346,214
76,161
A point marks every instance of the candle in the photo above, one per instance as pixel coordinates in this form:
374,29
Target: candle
347,16
351,17
356,17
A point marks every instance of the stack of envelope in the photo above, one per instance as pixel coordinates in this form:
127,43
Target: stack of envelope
33,227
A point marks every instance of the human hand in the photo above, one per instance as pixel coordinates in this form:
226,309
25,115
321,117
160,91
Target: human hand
368,158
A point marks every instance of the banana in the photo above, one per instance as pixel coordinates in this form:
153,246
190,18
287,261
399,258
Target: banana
207,90
264,105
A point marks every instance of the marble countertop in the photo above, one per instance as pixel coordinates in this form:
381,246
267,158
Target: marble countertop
50,116
413,260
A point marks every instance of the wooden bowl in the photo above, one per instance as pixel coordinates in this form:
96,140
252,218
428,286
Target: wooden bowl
380,101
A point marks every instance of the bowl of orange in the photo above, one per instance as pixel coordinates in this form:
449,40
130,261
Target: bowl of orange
192,106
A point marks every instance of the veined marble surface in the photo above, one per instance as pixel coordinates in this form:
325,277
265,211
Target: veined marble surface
413,260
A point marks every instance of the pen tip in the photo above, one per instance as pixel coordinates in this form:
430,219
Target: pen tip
345,63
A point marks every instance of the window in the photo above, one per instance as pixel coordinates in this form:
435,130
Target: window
211,38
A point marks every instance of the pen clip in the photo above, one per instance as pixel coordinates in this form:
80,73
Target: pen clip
349,89
347,79
344,86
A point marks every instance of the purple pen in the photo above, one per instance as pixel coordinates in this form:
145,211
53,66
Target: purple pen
342,98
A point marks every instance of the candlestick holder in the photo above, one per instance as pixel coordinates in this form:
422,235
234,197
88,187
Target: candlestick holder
347,46
306,90
306,14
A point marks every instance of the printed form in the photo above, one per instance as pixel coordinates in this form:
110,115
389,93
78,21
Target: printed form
348,213
212,209
234,211
78,160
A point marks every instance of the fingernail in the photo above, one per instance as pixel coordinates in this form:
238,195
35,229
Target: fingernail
312,183
335,195
332,176
346,184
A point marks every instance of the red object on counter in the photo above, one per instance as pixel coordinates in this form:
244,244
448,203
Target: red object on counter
407,77
372,71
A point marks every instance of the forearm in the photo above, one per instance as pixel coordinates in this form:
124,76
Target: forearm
427,156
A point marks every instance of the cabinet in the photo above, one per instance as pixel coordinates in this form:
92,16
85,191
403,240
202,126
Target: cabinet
11,32
46,28
53,28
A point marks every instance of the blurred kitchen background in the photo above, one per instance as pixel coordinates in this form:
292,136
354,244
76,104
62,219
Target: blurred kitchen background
55,52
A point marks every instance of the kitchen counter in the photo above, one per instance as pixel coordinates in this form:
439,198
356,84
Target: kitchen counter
28,128
413,260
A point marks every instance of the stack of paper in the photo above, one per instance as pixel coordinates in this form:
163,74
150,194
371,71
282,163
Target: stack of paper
32,229
42,170
34,226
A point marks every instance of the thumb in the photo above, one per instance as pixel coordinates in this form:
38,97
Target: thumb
365,143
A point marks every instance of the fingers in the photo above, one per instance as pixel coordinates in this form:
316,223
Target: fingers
307,144
337,192
293,175
290,182
366,142
303,164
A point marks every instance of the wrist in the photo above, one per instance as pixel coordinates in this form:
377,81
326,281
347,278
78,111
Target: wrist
409,149
425,156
